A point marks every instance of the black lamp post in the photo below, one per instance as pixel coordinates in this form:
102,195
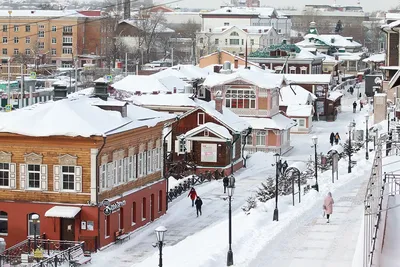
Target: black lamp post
366,136
276,212
350,128
35,220
231,189
315,142
388,118
160,232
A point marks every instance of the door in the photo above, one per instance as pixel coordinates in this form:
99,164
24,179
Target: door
152,207
67,229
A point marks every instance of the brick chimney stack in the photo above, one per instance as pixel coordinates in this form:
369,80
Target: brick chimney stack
218,101
236,62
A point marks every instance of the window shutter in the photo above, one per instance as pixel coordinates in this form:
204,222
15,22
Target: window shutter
188,146
78,178
43,177
177,146
134,167
161,155
13,177
155,159
110,173
56,183
101,177
22,176
125,168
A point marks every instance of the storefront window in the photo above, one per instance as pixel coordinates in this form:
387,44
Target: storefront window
3,222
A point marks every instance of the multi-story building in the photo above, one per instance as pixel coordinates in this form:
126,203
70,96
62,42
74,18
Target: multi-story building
48,36
235,39
89,166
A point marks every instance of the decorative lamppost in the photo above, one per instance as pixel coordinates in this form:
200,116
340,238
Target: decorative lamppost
276,212
231,189
350,128
35,221
315,142
366,136
160,232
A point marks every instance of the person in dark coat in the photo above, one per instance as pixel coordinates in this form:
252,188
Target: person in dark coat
354,106
351,90
337,138
332,138
284,166
198,204
192,194
361,105
225,181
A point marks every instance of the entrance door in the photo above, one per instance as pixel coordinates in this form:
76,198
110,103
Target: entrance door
67,229
152,207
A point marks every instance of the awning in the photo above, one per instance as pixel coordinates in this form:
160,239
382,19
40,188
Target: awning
62,212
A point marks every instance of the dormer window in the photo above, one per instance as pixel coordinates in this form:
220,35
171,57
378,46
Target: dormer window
234,34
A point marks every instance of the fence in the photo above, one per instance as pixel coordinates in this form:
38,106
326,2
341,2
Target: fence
342,86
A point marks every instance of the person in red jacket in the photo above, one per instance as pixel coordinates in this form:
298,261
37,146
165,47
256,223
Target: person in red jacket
192,194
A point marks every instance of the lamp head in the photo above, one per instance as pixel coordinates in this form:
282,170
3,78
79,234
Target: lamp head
160,232
277,157
314,139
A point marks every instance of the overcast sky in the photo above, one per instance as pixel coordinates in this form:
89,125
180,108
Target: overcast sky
368,5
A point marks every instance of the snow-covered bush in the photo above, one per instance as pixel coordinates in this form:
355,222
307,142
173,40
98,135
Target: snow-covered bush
251,203
266,191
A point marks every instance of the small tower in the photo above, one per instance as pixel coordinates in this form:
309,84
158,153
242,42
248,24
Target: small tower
313,28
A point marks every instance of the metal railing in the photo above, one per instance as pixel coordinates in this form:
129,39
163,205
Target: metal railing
342,85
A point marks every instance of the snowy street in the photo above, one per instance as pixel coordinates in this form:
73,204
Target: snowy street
302,236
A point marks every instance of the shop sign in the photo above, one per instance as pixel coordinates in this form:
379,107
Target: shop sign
110,208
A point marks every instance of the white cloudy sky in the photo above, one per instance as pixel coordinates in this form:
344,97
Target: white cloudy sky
368,5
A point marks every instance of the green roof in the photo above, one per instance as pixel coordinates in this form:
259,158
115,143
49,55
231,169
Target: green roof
266,52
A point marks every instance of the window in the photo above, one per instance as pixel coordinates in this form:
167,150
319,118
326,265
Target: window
234,34
27,28
4,51
41,34
234,41
41,45
248,140
68,177
216,41
28,40
181,143
33,176
16,51
242,41
303,70
144,211
41,26
53,52
3,223
27,51
133,213
226,23
67,40
53,28
16,40
67,50
5,40
4,175
251,41
67,29
5,28
54,40
154,160
160,198
260,138
149,163
200,118
31,225
141,164
240,98
103,176
16,28
107,227
131,167
292,70
302,123
226,41
201,40
119,171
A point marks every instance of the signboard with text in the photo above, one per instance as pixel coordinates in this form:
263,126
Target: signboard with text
209,152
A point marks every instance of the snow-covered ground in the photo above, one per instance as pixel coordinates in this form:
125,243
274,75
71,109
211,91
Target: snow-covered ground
300,235
390,252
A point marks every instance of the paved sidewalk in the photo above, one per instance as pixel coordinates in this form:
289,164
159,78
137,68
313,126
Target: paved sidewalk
315,243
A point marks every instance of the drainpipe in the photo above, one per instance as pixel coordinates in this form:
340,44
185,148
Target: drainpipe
98,190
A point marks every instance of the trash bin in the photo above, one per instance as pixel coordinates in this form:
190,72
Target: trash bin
2,245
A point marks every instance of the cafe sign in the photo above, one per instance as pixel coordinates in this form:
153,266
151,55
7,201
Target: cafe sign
110,208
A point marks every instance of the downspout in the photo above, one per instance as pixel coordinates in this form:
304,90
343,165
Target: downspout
98,190
165,159
249,130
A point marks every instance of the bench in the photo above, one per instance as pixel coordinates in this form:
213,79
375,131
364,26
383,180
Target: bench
120,236
78,257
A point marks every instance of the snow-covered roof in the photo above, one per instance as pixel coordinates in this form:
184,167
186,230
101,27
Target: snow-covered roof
248,29
84,92
173,82
392,16
79,116
218,130
159,28
328,58
278,121
335,40
264,12
141,83
299,110
182,100
300,96
375,58
308,78
338,148
168,72
263,80
65,14
350,56
63,212
191,72
333,96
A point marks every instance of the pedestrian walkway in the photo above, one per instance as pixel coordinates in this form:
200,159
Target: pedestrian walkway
315,243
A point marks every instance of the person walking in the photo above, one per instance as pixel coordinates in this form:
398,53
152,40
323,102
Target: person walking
332,138
198,203
192,194
225,181
328,206
354,106
337,138
361,105
284,166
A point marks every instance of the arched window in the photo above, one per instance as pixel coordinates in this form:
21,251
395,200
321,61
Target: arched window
3,222
234,34
33,225
144,209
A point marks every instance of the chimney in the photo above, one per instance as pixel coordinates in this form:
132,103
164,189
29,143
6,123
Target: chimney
218,101
236,63
174,90
60,91
120,106
217,68
100,89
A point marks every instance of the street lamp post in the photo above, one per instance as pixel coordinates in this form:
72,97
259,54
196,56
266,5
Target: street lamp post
276,212
350,128
35,220
160,232
315,142
231,189
366,136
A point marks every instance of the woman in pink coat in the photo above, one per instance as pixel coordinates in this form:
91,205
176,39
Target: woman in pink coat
328,205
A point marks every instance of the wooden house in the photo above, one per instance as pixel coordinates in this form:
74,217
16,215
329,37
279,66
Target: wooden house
88,166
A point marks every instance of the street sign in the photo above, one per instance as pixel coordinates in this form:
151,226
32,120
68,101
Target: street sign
32,75
8,108
108,78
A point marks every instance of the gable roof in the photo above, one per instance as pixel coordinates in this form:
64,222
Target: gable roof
334,40
140,83
216,129
288,97
299,110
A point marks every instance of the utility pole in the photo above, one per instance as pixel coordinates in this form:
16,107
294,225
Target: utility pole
126,64
9,77
22,86
76,74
